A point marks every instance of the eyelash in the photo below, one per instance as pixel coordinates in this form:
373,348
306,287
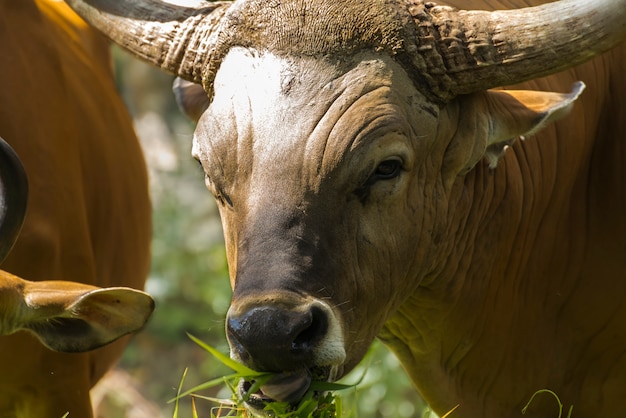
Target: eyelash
387,170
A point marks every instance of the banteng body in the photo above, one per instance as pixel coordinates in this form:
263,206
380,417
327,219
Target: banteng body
360,164
87,218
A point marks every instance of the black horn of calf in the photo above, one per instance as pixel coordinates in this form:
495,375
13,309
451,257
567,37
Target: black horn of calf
13,197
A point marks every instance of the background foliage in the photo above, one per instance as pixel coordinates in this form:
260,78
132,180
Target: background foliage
189,279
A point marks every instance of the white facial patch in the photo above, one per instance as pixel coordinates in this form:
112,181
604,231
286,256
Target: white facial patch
249,90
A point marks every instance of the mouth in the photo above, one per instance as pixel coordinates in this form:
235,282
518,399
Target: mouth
286,387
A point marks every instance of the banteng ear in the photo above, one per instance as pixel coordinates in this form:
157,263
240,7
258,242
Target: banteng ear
191,98
494,119
72,317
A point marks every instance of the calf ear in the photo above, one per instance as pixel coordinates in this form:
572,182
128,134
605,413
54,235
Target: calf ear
72,317
492,120
191,98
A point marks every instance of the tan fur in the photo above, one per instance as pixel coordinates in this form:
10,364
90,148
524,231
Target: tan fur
541,304
71,317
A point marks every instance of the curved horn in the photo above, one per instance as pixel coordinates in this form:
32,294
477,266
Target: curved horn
13,197
178,39
453,52
478,50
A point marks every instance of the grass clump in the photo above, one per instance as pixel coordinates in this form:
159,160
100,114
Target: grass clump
318,402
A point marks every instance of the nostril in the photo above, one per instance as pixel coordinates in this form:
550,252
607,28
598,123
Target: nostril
273,338
236,346
313,332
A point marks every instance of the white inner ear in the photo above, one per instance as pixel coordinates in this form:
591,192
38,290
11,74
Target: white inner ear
548,107
558,109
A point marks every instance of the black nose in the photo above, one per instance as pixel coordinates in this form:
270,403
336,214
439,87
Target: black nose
274,338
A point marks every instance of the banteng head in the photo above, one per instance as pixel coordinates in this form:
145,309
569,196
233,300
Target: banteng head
331,133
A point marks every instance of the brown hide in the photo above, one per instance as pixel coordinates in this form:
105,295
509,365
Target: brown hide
551,314
88,218
355,197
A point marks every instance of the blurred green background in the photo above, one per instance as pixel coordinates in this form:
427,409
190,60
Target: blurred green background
189,280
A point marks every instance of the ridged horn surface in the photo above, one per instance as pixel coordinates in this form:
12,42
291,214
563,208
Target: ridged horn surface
446,51
176,38
466,51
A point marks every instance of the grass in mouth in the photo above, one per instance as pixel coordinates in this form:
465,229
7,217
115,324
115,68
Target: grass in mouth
318,402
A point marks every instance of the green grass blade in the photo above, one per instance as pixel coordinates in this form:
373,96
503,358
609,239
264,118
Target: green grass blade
258,382
219,401
193,408
206,385
339,406
312,405
224,359
180,387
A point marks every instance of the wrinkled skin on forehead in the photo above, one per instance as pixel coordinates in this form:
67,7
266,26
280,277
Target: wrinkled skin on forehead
333,179
291,155
340,182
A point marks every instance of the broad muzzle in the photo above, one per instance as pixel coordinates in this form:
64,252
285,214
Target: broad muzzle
280,333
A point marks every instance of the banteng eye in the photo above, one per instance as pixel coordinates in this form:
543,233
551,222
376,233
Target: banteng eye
388,169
